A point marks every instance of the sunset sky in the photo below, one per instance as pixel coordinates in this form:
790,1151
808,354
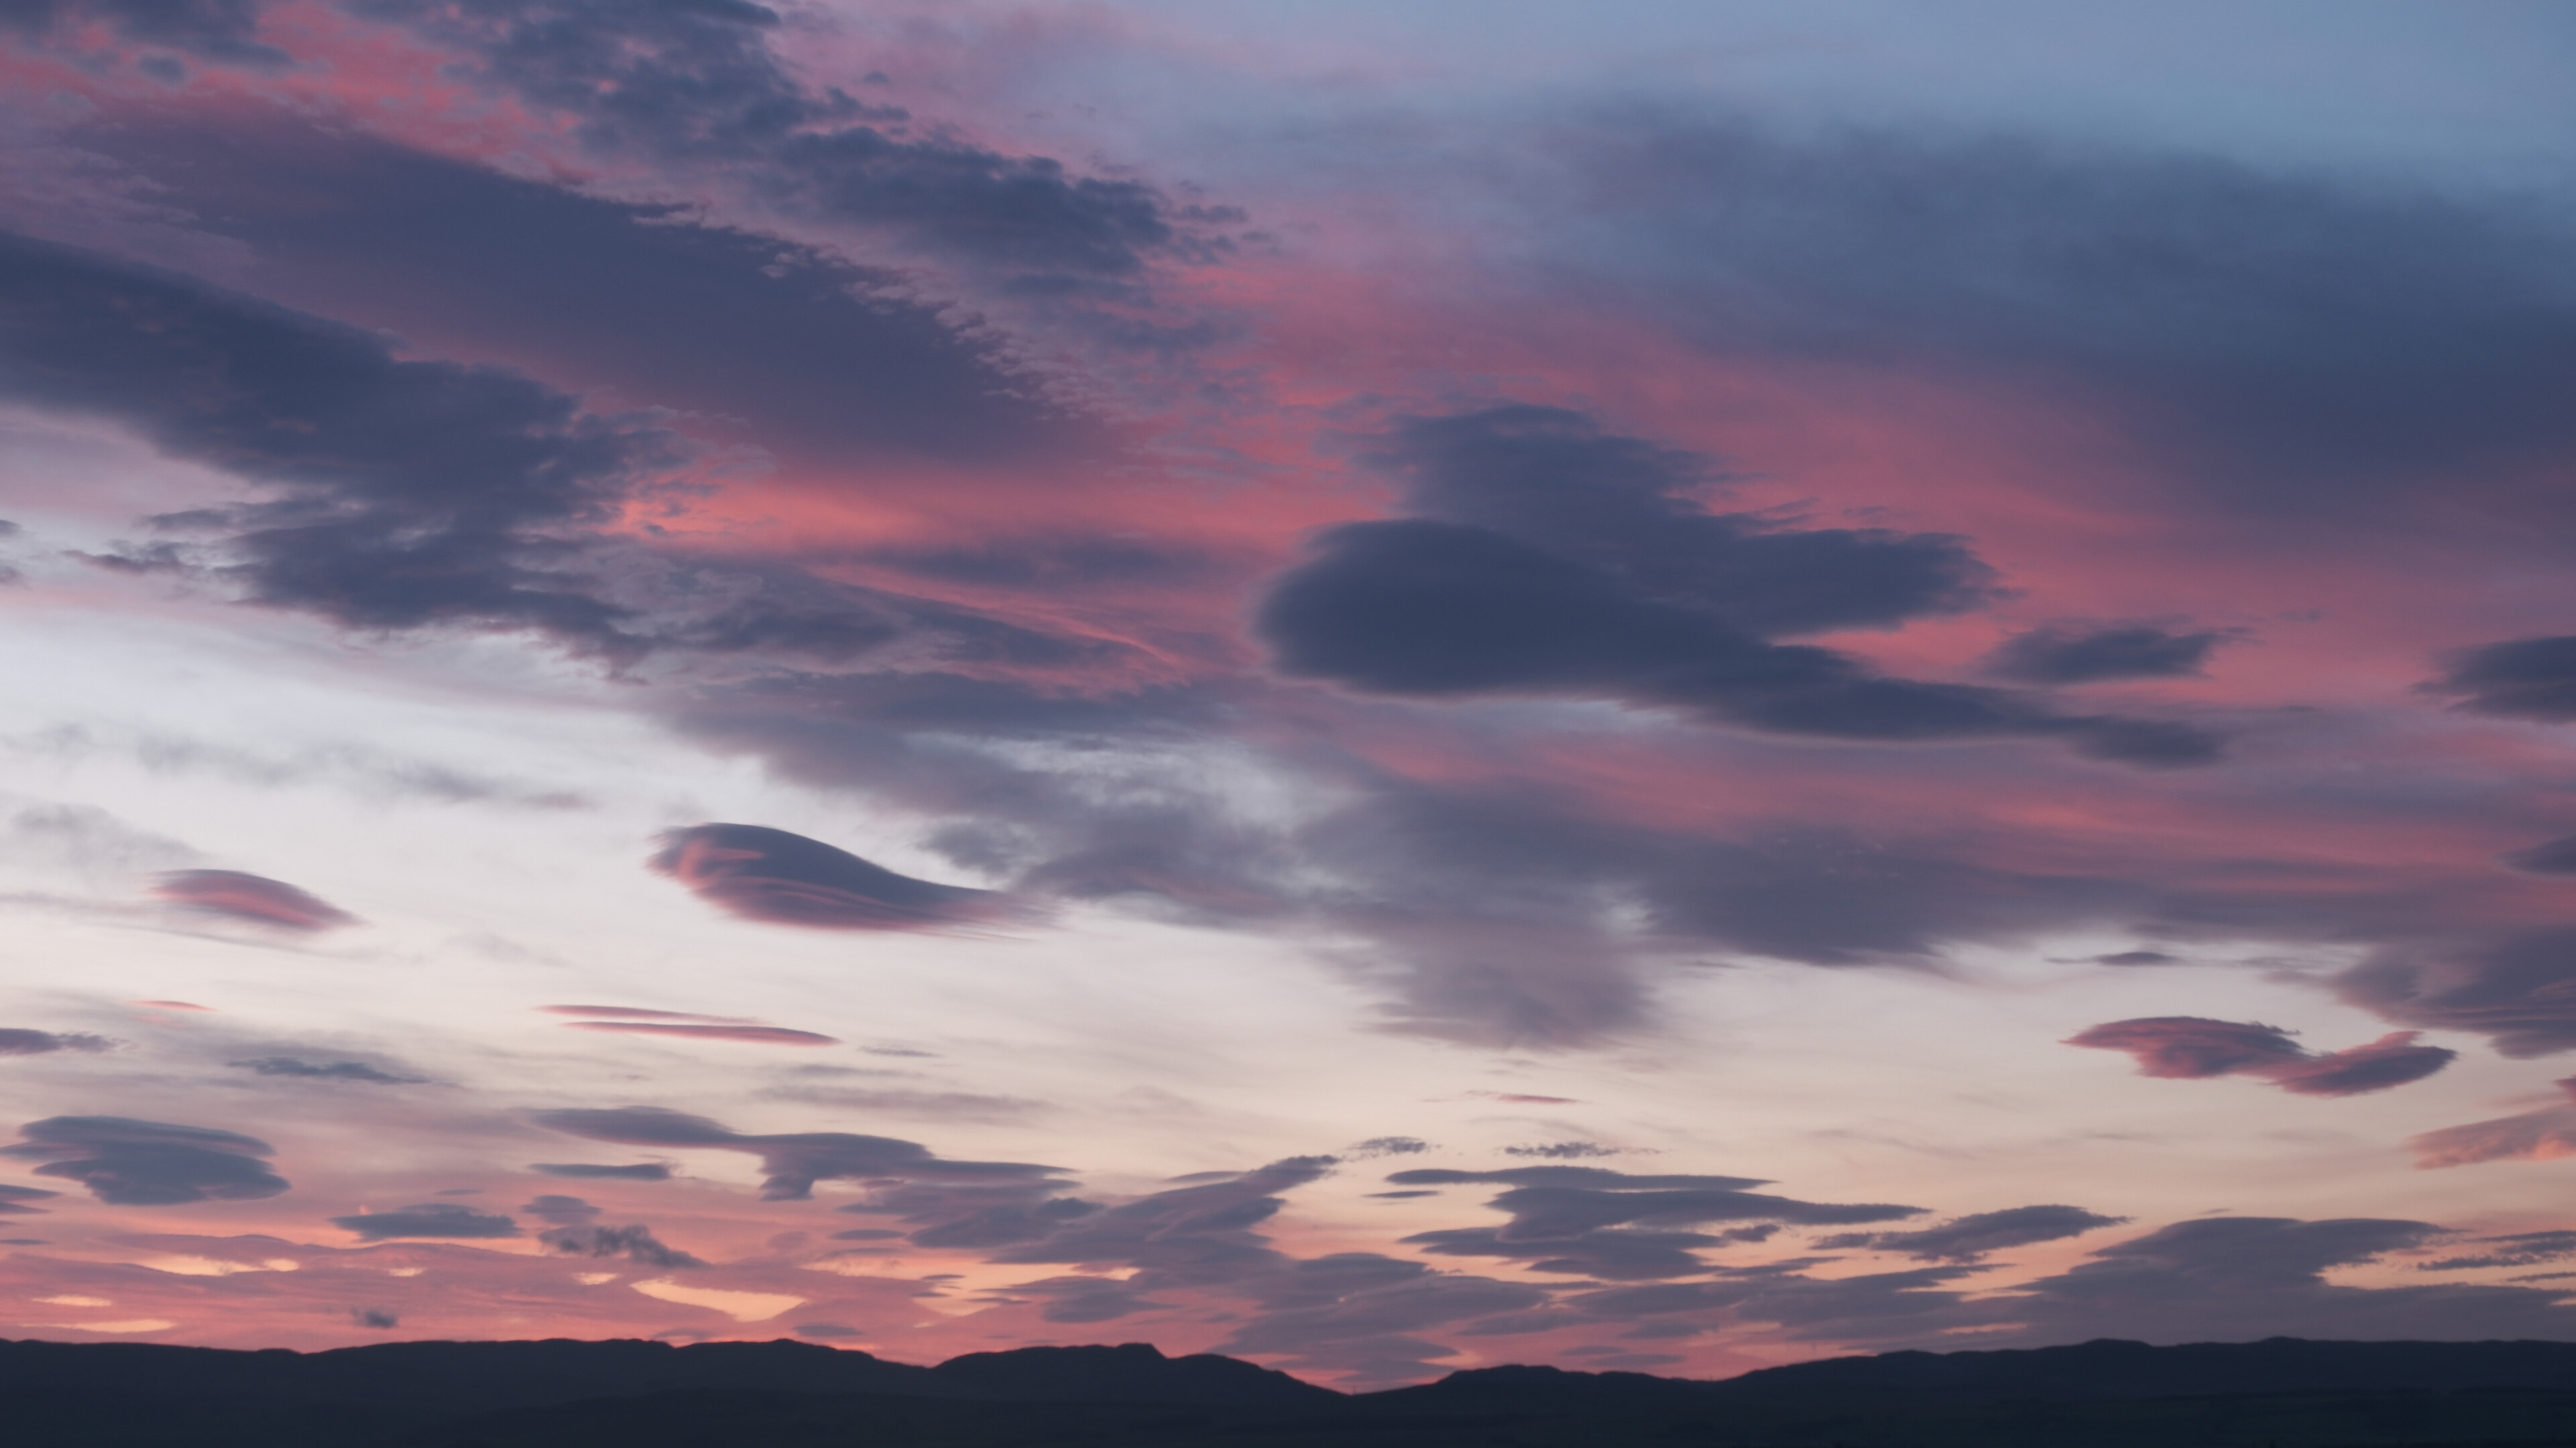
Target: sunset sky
1668,685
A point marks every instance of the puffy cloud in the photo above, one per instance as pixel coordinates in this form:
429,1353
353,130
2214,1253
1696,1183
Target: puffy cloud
300,1069
2516,679
1555,480
1965,1239
2542,1135
1615,1225
2084,654
19,1041
636,1243
1434,608
2196,1047
797,1160
133,1163
257,898
428,1219
786,879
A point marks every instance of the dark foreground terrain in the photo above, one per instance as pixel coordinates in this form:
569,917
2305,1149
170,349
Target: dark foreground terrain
2282,1393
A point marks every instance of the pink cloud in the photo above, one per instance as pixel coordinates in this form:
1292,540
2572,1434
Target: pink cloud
2191,1048
2543,1135
241,896
756,1035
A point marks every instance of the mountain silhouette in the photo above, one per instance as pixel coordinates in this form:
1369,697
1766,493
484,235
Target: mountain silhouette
2280,1393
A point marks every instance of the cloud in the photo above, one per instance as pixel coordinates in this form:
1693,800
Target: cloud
786,879
2287,341
789,345
330,1071
2196,1048
2516,679
251,897
18,1041
131,1163
1615,1225
588,1171
2518,991
701,86
428,1219
15,1198
1196,1235
2083,654
562,1211
1553,479
795,1161
1561,1150
1642,611
1968,1238
1377,1146
2515,1249
755,1035
2549,857
635,1243
638,1013
214,30
2543,1135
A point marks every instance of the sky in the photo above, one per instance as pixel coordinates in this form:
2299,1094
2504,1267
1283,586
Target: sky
1647,686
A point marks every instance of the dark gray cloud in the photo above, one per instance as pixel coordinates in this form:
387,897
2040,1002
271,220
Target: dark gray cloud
15,1199
18,1041
1642,608
786,879
225,31
2516,679
590,1171
1555,480
636,1243
701,85
1195,1235
2196,1047
2549,857
1617,1225
2086,653
2289,341
1965,1239
562,1211
375,1317
2514,1249
406,495
303,1070
131,1163
2136,957
2519,992
428,1219
243,896
760,339
1357,1312
795,1161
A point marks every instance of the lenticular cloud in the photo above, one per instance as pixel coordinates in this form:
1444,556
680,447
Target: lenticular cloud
242,896
2192,1048
786,879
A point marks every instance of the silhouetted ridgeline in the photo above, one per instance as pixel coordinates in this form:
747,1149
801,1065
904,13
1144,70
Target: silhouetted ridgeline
565,1394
